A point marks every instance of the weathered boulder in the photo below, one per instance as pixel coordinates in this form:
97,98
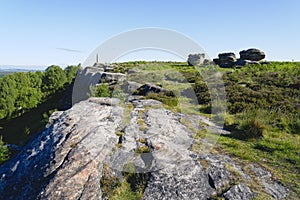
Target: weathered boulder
207,62
105,67
241,62
130,87
147,88
109,77
226,60
196,59
84,79
216,61
252,54
91,76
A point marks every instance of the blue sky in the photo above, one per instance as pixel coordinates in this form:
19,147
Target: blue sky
35,32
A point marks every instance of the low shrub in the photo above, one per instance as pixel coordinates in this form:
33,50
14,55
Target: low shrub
165,99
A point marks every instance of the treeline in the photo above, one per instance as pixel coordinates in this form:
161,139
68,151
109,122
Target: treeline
22,91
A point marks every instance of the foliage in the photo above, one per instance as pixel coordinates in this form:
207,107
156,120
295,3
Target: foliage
47,114
5,73
4,153
27,98
101,90
71,72
22,91
54,79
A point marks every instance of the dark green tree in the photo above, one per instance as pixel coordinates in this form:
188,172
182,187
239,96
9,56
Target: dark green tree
54,79
8,95
4,153
71,72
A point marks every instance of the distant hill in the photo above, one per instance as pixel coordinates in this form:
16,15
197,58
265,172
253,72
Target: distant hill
5,70
22,68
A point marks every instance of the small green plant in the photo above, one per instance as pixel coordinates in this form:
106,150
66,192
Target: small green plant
200,134
143,140
46,116
74,145
27,131
119,133
102,90
4,153
142,149
140,122
142,125
109,182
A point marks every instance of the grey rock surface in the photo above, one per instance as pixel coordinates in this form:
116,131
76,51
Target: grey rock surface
91,76
239,192
109,77
196,59
84,79
182,180
276,189
130,86
66,160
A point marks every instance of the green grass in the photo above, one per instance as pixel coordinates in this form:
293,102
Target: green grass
131,187
279,152
169,101
266,137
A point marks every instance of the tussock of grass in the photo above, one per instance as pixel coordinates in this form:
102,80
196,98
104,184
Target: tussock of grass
130,188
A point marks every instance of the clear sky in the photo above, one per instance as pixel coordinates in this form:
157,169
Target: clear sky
35,32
